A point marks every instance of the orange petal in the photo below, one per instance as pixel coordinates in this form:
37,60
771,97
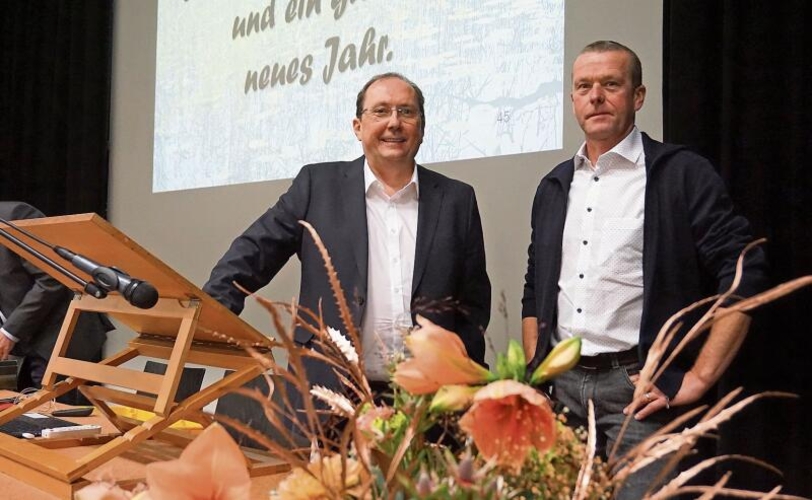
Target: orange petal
212,467
438,358
507,420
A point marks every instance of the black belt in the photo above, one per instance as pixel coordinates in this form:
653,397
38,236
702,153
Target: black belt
607,360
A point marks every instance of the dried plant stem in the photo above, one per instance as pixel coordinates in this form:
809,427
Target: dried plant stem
585,474
688,445
716,488
343,308
673,488
660,446
335,284
654,365
734,493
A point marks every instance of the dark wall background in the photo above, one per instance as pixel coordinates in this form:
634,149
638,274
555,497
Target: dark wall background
736,89
55,103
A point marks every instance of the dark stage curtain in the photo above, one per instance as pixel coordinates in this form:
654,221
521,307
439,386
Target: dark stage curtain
55,66
736,89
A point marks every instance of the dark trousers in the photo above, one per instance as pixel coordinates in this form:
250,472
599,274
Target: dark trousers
32,371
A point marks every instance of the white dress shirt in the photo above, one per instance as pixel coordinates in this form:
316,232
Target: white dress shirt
3,330
392,233
601,285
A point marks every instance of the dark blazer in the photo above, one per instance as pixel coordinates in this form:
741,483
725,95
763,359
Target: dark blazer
692,241
35,304
449,256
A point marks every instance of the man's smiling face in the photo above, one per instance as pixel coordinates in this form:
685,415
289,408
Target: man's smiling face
391,140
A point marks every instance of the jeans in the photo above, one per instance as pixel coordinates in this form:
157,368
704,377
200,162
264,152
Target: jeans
610,391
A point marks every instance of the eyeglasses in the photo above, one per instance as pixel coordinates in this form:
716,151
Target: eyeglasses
405,113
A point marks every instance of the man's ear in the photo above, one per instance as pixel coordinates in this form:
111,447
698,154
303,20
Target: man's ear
639,97
356,127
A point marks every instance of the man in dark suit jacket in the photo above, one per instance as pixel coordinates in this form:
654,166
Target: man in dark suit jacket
437,264
33,306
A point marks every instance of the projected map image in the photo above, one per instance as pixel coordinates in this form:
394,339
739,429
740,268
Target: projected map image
250,91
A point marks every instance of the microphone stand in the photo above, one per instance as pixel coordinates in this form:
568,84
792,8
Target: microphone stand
88,287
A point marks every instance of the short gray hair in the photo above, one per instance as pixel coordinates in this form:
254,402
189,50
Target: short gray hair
612,46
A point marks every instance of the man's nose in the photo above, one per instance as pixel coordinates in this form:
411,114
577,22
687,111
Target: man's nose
596,94
394,119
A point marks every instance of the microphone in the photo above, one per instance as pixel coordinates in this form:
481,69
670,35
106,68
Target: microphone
105,279
139,293
89,287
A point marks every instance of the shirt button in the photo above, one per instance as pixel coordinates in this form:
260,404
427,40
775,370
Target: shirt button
581,276
585,242
596,178
588,209
578,310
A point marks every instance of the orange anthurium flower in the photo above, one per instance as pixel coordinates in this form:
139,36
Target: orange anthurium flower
507,420
212,467
438,358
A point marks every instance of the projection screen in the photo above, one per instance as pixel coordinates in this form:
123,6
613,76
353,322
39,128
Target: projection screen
251,91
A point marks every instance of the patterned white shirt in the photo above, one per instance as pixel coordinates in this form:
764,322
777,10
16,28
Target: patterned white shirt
601,285
392,234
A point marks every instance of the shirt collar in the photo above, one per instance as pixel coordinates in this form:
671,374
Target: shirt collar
371,180
630,148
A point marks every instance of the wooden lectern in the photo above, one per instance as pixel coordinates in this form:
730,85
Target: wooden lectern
185,326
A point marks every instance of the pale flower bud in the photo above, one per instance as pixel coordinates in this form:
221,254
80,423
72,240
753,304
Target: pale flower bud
563,357
453,398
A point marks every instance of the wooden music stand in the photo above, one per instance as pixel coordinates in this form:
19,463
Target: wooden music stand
185,326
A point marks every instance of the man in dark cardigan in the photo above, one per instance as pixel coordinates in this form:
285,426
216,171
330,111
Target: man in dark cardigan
624,235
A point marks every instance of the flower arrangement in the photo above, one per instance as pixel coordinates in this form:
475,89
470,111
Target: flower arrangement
449,428
503,434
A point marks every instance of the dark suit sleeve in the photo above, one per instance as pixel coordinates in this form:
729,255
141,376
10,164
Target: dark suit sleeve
720,234
43,295
259,253
475,290
529,293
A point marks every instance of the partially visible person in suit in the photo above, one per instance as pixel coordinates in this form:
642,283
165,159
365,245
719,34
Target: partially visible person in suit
32,308
400,236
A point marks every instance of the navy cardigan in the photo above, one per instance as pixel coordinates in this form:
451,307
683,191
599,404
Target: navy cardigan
692,240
